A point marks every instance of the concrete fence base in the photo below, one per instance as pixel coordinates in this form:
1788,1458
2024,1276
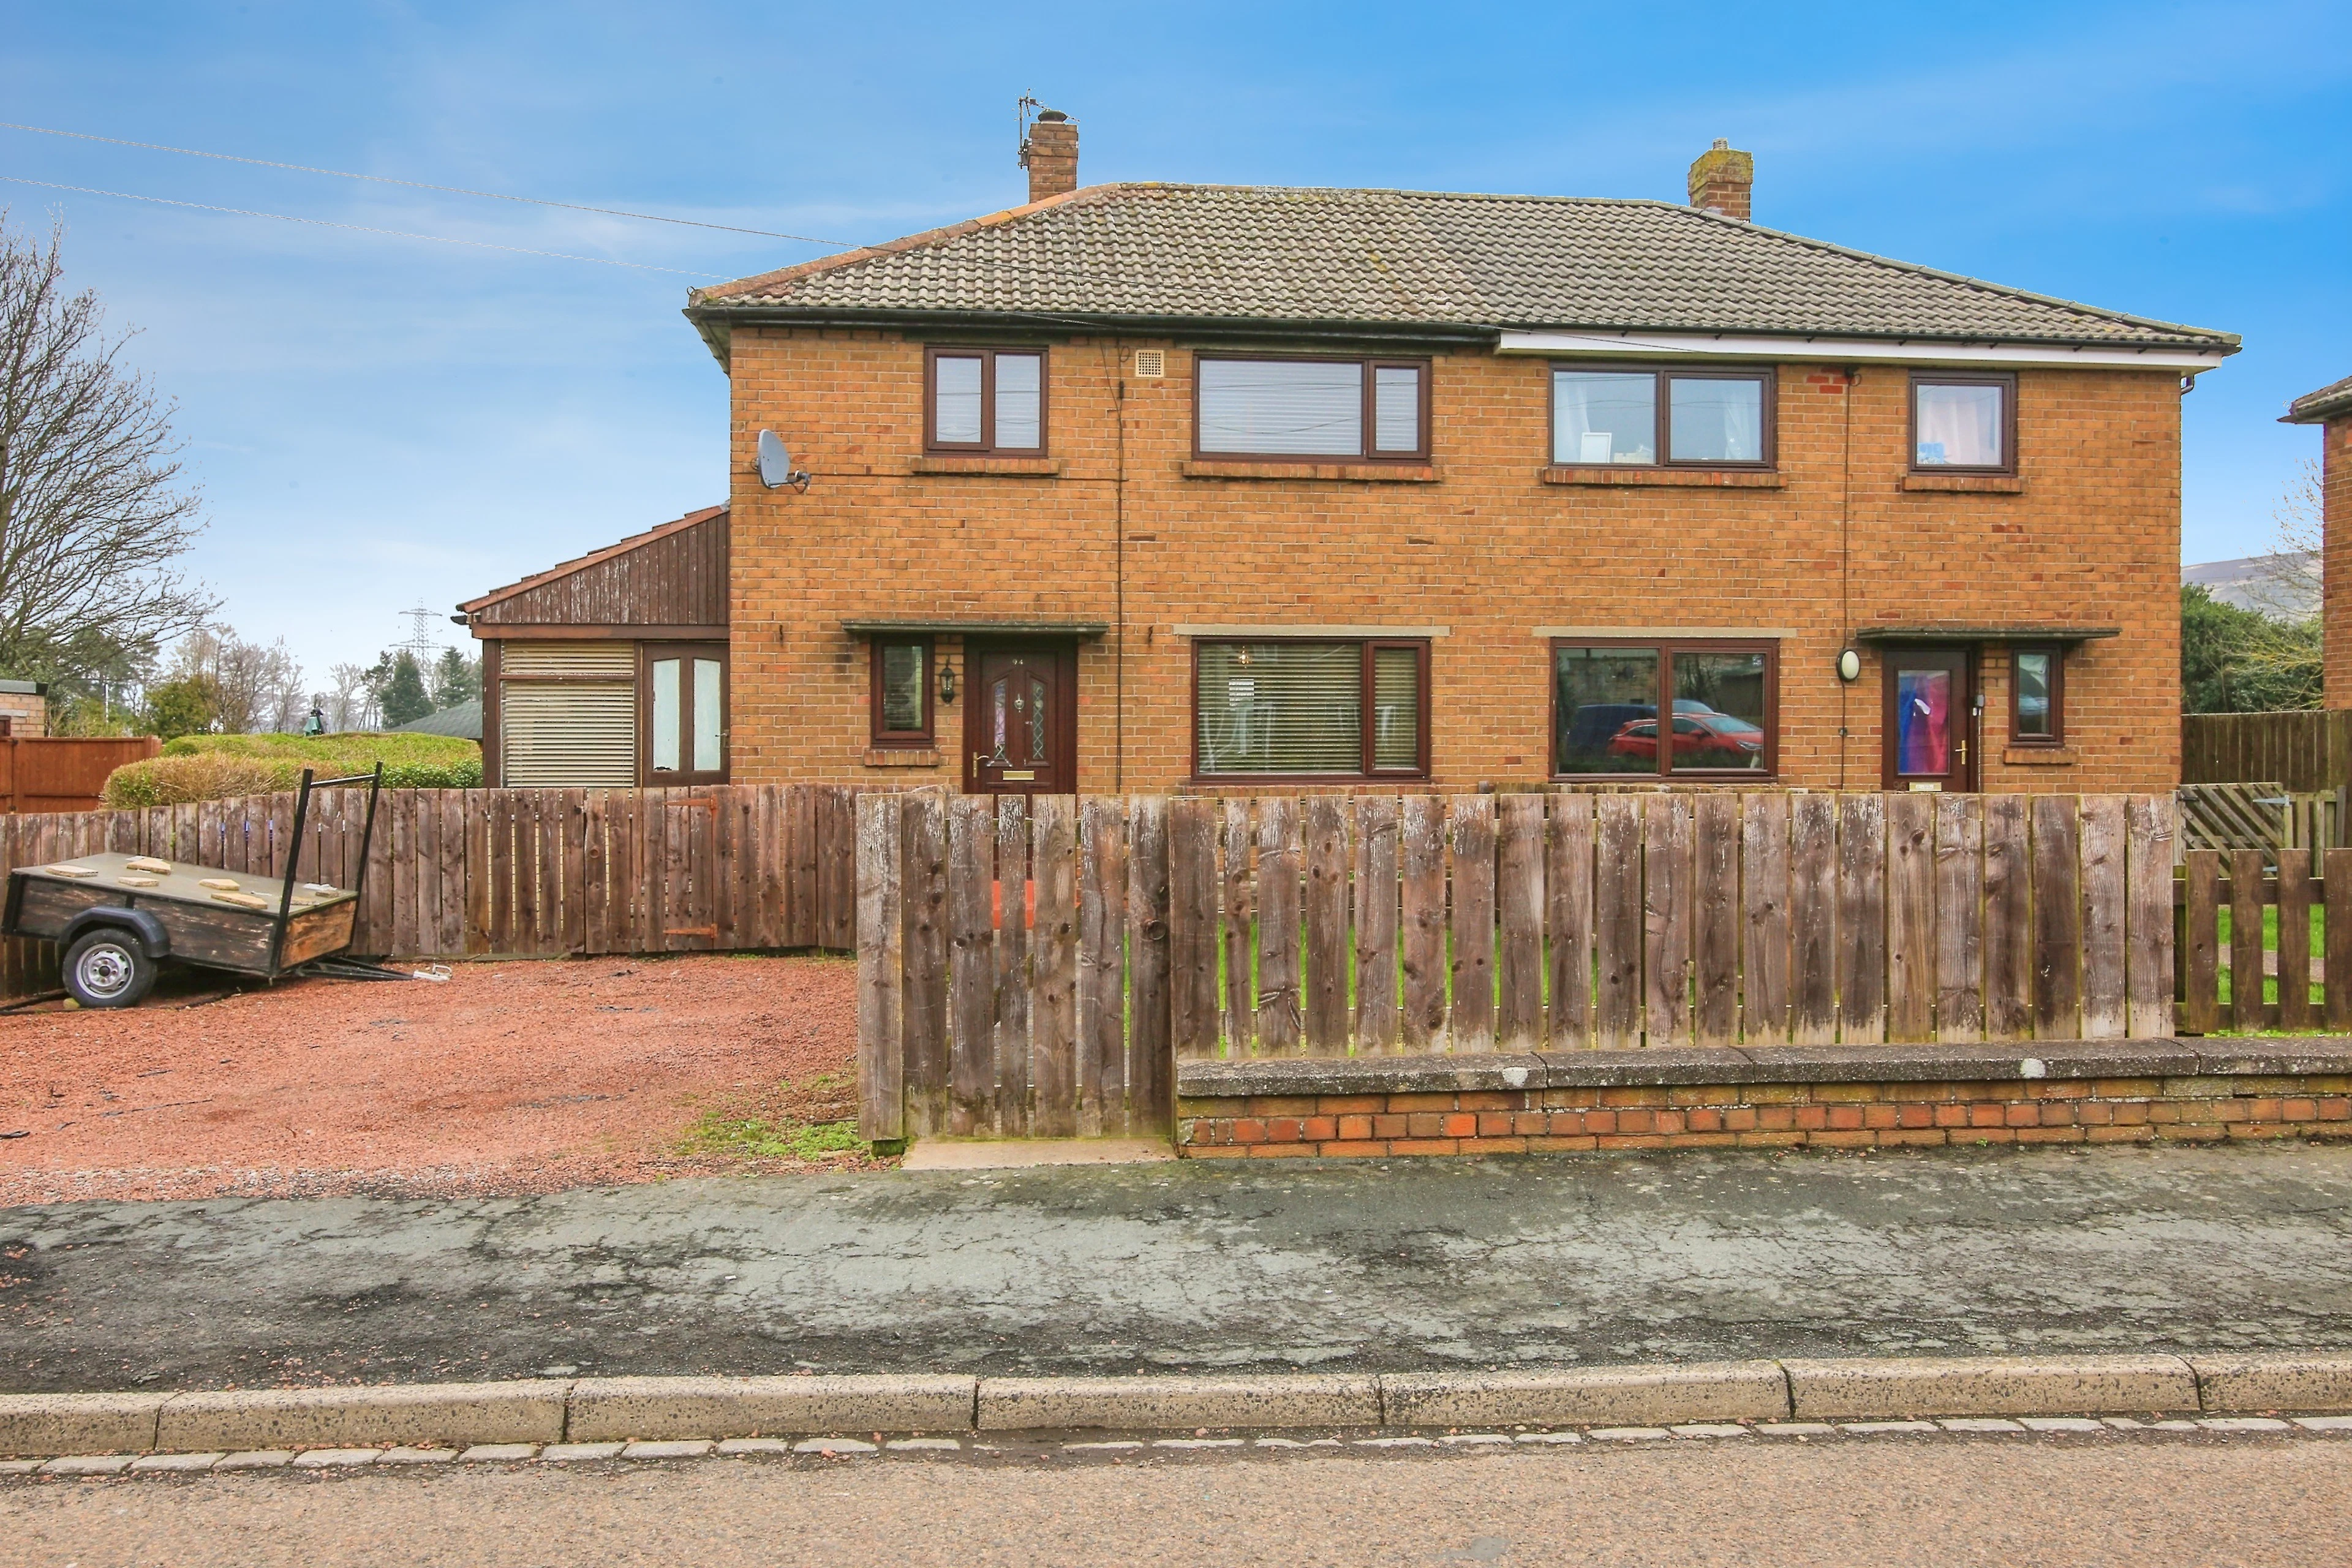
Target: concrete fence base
657,1409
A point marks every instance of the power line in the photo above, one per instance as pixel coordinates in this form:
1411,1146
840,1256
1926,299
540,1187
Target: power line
355,228
422,186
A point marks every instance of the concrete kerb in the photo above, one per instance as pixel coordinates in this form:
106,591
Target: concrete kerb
1171,1403
624,1409
1866,1386
594,1413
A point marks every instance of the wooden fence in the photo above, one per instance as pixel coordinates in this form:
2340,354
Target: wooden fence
2304,751
2239,970
2265,816
509,871
1033,971
64,773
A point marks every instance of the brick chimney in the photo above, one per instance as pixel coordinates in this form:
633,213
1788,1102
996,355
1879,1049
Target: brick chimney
1721,181
1050,153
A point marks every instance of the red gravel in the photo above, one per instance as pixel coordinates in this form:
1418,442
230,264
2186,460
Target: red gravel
507,1077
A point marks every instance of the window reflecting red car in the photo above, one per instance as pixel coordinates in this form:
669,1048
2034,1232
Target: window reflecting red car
1701,740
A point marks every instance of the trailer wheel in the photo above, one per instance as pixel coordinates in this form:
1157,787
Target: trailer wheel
107,968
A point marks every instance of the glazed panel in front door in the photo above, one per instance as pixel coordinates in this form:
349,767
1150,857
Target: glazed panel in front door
1930,723
1018,734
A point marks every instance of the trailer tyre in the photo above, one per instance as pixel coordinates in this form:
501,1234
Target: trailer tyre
107,968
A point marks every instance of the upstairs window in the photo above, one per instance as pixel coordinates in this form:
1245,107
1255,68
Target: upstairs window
1708,419
1290,709
1363,409
1965,423
986,400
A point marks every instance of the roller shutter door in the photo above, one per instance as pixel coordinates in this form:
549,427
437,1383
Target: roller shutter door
567,715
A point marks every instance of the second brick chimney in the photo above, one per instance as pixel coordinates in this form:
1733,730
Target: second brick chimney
1721,180
1050,153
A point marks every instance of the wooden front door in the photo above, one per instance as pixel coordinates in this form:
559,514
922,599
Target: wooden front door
1020,730
1931,724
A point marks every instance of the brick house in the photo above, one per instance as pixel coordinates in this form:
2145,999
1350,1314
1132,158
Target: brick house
2330,408
1148,487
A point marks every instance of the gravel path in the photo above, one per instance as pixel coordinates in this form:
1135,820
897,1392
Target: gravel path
509,1078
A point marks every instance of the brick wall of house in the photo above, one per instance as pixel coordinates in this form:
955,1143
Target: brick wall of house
2335,558
1481,546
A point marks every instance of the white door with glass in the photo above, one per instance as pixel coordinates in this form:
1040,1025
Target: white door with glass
685,699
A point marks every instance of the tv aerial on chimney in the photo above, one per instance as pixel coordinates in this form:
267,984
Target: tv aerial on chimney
776,468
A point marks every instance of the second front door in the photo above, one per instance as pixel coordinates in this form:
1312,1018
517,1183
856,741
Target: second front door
1931,718
1021,732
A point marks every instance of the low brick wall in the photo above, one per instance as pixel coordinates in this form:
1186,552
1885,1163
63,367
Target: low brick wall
2069,1092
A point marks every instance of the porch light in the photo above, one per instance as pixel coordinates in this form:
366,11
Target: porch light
1849,665
947,683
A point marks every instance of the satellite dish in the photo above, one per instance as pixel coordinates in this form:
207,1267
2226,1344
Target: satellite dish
776,468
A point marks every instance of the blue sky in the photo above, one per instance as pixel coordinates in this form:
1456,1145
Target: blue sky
379,421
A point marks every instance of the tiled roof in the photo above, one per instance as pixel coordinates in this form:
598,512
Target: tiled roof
594,557
2328,402
1414,258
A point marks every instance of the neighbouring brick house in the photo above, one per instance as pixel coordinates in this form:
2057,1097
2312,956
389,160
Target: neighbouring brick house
2330,408
1149,487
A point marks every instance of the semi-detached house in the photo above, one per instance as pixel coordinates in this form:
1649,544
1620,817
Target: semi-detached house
1209,488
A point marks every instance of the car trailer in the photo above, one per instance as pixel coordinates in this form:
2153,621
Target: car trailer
118,919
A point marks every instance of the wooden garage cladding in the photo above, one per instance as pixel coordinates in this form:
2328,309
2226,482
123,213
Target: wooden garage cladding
654,583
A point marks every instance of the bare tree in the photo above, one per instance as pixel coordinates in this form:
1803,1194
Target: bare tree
253,687
353,703
92,517
2289,585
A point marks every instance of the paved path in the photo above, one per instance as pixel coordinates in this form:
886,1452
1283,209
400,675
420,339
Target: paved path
2014,1501
1404,1265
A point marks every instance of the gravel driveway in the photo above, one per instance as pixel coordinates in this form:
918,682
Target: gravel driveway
507,1077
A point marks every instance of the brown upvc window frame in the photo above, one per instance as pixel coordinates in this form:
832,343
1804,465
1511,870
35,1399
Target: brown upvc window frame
1367,771
2057,654
687,654
1665,648
986,446
923,740
1661,413
1367,429
2005,380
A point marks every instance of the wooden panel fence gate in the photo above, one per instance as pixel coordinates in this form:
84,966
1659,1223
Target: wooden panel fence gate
1035,970
488,872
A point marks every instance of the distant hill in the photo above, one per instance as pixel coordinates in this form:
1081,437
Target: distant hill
2285,587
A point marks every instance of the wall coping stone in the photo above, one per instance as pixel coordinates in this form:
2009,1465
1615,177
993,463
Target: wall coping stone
2319,1053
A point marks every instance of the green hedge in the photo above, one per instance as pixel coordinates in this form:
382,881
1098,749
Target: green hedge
215,767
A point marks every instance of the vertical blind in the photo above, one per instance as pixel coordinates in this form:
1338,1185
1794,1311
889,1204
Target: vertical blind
1281,708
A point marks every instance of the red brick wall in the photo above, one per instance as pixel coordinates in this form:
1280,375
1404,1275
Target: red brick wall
2335,557
1770,1116
1486,550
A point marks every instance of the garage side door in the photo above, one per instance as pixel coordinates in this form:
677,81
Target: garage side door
568,714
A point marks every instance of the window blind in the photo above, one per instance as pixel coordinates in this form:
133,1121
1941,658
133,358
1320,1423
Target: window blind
1284,708
1283,408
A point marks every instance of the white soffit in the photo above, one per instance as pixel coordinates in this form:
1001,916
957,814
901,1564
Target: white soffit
1846,351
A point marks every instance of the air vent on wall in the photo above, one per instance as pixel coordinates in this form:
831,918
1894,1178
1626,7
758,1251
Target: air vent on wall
1150,364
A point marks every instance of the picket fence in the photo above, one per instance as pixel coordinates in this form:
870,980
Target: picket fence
508,871
1033,969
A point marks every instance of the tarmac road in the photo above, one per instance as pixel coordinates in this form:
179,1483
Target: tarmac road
2014,1501
1345,1266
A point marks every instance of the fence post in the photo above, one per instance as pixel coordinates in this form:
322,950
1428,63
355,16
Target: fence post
881,1062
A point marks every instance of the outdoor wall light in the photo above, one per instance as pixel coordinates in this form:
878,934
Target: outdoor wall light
947,683
1849,665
